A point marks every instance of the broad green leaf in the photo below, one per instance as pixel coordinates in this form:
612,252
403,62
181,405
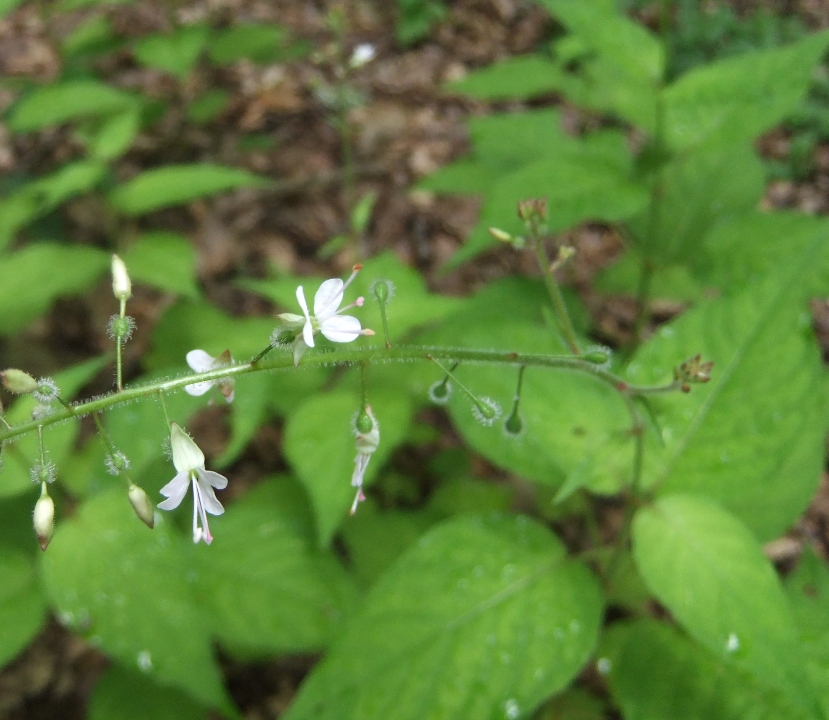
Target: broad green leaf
66,101
738,98
249,410
33,277
39,197
575,703
411,304
6,6
319,445
208,106
567,416
808,592
22,606
654,673
264,584
674,281
128,695
260,42
707,568
115,136
483,618
697,191
176,52
741,251
129,591
751,438
93,36
178,184
518,77
163,260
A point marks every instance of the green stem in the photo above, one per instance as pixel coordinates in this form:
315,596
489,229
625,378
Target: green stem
337,357
160,392
383,320
559,307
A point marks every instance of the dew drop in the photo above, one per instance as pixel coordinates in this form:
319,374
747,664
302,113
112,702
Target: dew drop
558,634
732,644
511,709
575,626
603,665
145,661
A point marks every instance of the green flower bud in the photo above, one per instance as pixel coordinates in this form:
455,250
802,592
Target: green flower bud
18,382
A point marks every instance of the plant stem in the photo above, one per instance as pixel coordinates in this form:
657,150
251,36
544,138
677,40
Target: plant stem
560,309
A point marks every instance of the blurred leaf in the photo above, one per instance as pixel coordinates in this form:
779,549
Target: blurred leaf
655,672
319,445
6,6
518,77
163,260
706,567
65,101
698,191
122,694
736,99
75,4
753,437
178,184
208,106
93,35
115,136
446,631
462,496
176,52
129,591
674,281
32,278
415,18
808,592
39,197
264,584
259,42
22,606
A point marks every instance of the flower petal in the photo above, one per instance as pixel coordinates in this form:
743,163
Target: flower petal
307,329
199,388
328,298
300,298
208,498
215,479
200,361
186,454
341,328
174,491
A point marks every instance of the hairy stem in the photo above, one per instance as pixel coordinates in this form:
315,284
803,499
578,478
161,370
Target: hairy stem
560,309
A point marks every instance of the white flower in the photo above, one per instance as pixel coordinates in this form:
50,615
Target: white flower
327,317
200,361
363,54
189,462
121,285
366,444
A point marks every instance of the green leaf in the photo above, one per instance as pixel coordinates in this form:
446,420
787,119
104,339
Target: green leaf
126,588
163,260
32,278
654,672
319,445
264,584
66,101
751,438
39,197
259,42
673,281
415,19
208,106
567,415
738,98
707,568
22,606
127,695
518,77
482,618
6,6
178,184
115,136
176,52
698,190
808,592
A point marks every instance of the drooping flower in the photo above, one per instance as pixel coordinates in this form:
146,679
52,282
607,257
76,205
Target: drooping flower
368,439
363,54
200,361
189,462
327,317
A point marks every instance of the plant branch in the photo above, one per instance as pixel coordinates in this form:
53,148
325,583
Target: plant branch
560,309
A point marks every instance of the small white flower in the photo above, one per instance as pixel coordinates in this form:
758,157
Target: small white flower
327,317
189,462
366,444
121,285
200,361
363,54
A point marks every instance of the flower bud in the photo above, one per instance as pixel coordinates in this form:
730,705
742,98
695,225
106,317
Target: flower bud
596,356
500,235
364,423
121,285
381,289
18,382
142,505
44,518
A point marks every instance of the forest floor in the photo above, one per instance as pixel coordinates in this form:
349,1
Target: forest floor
405,129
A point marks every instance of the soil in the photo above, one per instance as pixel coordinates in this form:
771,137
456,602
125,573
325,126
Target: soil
405,129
